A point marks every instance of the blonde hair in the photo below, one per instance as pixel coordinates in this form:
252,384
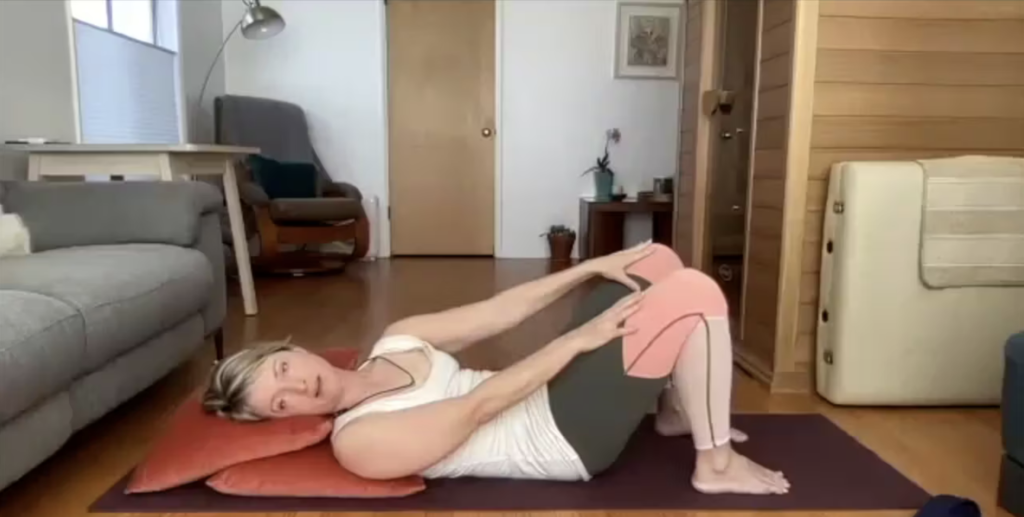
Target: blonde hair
228,388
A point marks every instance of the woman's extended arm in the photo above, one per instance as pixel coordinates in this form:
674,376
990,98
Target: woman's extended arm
455,329
400,443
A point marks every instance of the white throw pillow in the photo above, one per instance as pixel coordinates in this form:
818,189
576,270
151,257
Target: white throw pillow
14,237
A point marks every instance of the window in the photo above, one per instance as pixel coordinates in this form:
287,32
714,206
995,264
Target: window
136,19
128,73
93,12
133,18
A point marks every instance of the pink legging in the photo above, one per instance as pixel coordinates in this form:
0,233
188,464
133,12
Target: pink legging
684,330
683,340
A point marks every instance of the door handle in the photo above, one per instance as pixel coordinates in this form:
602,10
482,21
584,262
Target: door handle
486,132
726,135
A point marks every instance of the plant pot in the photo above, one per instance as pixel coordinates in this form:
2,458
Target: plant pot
561,246
604,183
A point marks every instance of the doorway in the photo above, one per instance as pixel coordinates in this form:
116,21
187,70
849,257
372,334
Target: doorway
730,146
441,72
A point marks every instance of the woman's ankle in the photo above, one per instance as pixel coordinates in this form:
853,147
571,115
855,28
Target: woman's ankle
716,458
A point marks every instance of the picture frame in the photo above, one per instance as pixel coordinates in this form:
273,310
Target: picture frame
647,40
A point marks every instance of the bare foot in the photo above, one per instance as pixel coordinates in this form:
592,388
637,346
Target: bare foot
671,421
725,471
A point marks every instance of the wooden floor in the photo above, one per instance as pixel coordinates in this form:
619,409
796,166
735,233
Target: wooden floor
945,450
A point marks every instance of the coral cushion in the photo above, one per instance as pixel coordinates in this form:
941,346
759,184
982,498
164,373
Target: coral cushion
311,472
197,444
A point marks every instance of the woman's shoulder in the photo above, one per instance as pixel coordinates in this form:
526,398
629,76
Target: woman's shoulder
401,350
398,343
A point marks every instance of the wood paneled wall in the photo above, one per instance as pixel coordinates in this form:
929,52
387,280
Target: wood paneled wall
843,80
692,188
906,79
683,241
767,189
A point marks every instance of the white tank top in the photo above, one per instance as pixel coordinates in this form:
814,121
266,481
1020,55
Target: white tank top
521,443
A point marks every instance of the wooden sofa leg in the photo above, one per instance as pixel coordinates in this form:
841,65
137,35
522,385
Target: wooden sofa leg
362,238
218,343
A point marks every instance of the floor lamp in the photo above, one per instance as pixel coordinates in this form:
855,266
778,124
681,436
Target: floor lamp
257,23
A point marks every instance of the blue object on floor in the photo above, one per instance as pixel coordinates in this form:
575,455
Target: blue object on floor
949,506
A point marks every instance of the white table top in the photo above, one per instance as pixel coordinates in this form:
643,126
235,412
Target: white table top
128,148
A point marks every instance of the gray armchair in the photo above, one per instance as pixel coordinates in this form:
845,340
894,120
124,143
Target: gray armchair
280,130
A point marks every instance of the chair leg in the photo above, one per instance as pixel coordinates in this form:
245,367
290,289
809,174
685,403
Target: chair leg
218,343
362,238
269,247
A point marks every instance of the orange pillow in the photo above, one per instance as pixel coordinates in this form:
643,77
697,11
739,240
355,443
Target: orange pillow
196,444
311,472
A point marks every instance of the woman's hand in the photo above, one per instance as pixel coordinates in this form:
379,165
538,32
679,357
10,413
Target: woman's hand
613,267
607,326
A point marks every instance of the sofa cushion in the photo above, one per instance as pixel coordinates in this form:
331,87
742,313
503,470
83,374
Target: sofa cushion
42,345
33,436
126,294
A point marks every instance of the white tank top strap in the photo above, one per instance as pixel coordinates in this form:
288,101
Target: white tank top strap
397,344
413,397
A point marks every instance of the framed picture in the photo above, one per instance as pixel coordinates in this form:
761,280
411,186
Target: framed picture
647,38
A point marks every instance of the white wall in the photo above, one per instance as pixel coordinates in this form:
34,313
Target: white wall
37,97
330,61
556,89
201,33
558,97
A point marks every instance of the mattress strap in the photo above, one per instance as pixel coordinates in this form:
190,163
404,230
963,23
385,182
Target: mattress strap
972,224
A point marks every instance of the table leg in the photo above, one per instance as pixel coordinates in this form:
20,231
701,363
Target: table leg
608,231
35,167
661,228
241,245
164,169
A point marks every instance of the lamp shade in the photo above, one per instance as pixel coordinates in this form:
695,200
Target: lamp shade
261,22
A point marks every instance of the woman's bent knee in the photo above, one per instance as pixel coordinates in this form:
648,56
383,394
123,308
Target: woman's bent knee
672,310
702,291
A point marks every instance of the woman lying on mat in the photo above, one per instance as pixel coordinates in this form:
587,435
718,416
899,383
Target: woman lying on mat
653,332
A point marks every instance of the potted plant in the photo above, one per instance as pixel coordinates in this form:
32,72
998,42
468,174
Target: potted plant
604,176
561,239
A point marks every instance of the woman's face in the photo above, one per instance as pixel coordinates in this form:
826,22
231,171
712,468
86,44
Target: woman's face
293,383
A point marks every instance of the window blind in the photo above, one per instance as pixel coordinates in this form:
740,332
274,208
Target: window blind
127,89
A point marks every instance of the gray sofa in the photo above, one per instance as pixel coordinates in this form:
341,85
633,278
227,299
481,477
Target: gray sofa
125,283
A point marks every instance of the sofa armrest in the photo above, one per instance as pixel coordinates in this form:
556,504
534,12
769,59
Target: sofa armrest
342,189
60,215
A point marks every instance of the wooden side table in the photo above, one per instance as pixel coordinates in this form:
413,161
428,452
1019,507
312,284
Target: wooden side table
603,224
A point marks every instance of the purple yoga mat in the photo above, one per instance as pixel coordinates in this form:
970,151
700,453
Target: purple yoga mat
828,468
